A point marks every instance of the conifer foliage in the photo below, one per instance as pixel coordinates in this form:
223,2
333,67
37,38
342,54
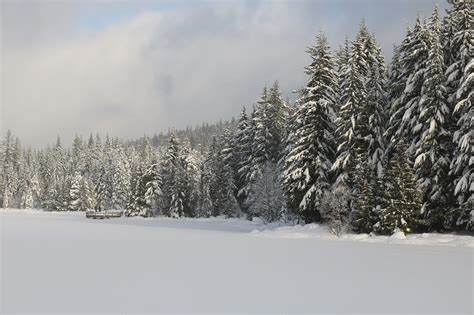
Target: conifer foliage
401,196
459,43
308,163
434,143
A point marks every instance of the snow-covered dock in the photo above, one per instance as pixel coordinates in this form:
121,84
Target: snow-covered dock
92,214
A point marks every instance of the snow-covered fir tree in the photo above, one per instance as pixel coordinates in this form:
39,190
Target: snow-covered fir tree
341,68
432,149
415,55
263,147
230,168
243,147
61,181
190,180
204,203
120,174
399,72
269,132
307,166
79,194
222,185
137,203
267,200
462,166
401,198
458,47
457,43
153,184
353,119
335,205
47,173
365,201
9,176
172,174
277,114
30,190
376,106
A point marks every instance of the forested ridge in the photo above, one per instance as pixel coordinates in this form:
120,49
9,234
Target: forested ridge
367,146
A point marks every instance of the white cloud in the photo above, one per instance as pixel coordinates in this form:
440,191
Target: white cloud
143,75
156,70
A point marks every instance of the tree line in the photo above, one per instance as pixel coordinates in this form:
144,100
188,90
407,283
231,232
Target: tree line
366,147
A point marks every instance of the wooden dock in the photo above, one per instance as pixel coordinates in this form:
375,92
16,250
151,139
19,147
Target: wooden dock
93,214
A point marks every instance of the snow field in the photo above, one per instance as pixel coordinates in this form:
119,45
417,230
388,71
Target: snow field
62,262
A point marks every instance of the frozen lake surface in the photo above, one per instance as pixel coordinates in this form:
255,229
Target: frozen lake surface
64,263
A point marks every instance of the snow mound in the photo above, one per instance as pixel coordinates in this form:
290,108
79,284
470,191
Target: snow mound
318,231
398,236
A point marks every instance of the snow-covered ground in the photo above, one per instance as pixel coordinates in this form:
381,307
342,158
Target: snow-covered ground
316,231
63,263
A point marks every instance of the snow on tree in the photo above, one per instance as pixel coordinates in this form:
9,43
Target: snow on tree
267,201
264,137
172,174
433,146
30,193
54,177
204,205
228,155
79,194
334,209
9,176
214,165
77,158
457,40
401,199
460,82
190,179
398,77
414,60
112,185
243,139
47,178
29,186
462,164
153,184
103,190
222,185
246,165
342,68
230,206
261,149
137,204
307,165
268,122
92,160
120,175
276,115
104,185
376,83
365,212
291,212
352,123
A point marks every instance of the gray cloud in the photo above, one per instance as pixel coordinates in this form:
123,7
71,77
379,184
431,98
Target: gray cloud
164,66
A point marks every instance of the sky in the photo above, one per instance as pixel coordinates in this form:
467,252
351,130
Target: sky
129,68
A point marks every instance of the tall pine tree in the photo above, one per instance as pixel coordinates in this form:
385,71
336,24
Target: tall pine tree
401,199
433,146
307,166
